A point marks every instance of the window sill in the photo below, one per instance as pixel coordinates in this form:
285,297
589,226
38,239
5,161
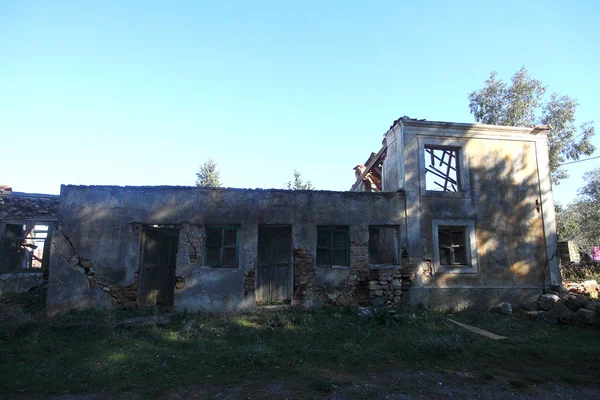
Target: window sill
436,193
452,269
218,267
333,266
384,266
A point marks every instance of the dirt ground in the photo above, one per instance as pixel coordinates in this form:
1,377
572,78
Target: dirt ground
399,385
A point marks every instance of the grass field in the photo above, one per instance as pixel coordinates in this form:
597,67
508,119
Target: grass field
89,352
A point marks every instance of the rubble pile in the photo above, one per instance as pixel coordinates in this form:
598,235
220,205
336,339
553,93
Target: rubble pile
573,302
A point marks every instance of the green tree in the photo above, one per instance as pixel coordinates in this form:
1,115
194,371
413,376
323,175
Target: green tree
578,221
522,103
298,184
208,176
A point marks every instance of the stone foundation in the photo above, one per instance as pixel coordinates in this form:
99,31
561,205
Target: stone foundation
304,273
385,286
356,285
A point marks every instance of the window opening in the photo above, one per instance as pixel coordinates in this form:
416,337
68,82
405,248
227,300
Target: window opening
383,245
452,245
333,246
441,169
23,247
222,247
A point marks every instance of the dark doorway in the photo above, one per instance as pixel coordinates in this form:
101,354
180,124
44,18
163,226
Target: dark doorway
274,272
157,275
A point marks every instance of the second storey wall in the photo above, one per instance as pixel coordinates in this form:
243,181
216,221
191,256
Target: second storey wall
500,203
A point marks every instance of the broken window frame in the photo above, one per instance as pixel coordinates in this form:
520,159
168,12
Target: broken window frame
445,167
463,176
454,246
375,251
328,233
467,228
33,239
222,246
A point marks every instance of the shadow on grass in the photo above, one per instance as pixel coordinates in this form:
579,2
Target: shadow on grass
83,352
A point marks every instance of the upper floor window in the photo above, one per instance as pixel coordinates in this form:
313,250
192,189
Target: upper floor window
441,169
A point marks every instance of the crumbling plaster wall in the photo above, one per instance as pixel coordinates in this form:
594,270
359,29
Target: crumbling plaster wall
99,224
507,171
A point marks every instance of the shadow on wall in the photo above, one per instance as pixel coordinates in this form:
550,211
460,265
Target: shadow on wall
506,206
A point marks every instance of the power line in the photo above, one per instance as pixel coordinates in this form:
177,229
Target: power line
574,162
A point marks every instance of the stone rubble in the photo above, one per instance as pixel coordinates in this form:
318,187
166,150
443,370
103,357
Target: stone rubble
573,302
22,206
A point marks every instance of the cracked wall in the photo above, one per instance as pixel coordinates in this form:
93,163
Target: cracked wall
103,224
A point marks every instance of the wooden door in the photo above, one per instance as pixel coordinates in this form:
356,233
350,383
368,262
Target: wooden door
274,270
157,281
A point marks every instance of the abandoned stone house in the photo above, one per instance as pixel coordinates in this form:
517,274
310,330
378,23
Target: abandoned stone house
444,216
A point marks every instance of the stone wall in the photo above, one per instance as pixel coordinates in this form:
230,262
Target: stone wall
568,252
24,206
304,274
101,227
385,286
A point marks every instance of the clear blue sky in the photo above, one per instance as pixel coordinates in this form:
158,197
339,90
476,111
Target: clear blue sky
142,93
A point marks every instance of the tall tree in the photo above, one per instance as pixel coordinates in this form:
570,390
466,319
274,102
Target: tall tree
208,176
522,103
298,184
578,221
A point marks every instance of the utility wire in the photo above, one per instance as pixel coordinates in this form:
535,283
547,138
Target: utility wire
574,162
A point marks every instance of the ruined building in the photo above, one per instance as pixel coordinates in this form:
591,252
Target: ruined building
444,216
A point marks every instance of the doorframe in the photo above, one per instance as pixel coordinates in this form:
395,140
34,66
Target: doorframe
141,279
291,267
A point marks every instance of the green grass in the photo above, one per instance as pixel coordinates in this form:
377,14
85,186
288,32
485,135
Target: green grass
86,352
